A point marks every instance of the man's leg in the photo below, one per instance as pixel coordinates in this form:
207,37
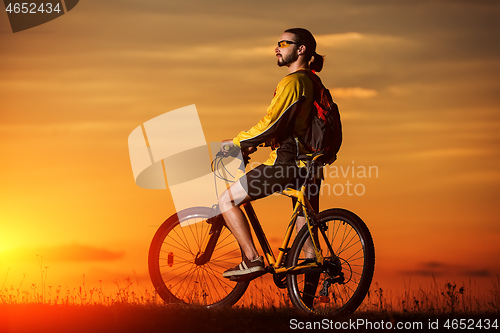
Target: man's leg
311,280
236,221
308,246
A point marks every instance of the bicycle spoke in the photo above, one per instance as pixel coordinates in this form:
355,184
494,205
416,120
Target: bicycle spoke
172,276
349,244
170,272
350,259
225,254
176,247
195,236
191,277
181,238
181,279
344,238
223,282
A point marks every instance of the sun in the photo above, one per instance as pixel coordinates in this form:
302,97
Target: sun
7,249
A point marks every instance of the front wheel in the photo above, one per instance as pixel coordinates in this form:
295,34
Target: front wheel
339,287
180,268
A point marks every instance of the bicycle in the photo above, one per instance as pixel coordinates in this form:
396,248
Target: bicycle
328,268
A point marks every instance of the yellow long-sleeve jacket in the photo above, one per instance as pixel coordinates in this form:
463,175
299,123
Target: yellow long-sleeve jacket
285,121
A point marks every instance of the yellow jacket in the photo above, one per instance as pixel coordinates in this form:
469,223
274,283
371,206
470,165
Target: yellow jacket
286,119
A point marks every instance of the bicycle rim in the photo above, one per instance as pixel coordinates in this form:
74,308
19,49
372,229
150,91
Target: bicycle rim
353,245
175,274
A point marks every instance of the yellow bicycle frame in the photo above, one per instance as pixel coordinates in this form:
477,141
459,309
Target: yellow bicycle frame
302,204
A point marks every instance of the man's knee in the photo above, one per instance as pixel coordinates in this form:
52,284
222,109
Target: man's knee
225,201
232,197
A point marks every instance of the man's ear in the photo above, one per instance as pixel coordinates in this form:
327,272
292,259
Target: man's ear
302,49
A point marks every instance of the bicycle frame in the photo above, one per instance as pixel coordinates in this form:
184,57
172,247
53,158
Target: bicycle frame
276,264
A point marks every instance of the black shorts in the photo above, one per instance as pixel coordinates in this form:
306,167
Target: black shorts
265,180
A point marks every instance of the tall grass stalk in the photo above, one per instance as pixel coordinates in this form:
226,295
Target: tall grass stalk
433,298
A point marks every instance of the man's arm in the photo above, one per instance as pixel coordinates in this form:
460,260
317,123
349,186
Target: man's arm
287,100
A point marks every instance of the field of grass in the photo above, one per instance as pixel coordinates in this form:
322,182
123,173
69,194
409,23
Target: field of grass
264,308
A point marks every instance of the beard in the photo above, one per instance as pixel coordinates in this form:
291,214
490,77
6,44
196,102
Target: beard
287,59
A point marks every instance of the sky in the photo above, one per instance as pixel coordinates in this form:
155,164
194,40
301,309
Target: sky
416,84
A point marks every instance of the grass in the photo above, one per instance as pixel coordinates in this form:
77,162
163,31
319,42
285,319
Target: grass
264,308
435,298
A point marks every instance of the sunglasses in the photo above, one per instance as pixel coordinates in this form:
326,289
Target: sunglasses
285,43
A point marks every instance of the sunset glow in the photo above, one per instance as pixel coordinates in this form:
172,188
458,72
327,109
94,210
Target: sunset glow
416,83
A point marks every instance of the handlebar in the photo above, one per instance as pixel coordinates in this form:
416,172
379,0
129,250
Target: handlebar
233,151
230,151
309,159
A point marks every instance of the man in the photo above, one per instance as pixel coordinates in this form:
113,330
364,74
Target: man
280,128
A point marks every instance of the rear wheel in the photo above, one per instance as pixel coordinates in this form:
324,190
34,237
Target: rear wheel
339,287
178,267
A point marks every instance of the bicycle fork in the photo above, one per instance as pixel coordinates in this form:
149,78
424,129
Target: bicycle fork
332,266
205,253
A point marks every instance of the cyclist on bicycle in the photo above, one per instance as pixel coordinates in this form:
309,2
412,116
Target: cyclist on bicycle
280,128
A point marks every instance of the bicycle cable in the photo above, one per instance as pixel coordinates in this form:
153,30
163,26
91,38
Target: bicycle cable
218,164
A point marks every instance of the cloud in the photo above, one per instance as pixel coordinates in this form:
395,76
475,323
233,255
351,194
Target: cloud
436,268
65,253
353,92
361,39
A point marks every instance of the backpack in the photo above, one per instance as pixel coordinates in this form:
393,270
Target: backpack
324,132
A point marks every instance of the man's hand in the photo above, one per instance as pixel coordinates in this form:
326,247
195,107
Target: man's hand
246,153
248,150
228,148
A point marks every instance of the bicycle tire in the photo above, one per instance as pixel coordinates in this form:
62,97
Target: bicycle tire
172,268
353,244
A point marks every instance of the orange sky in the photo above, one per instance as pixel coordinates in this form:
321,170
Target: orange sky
417,85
